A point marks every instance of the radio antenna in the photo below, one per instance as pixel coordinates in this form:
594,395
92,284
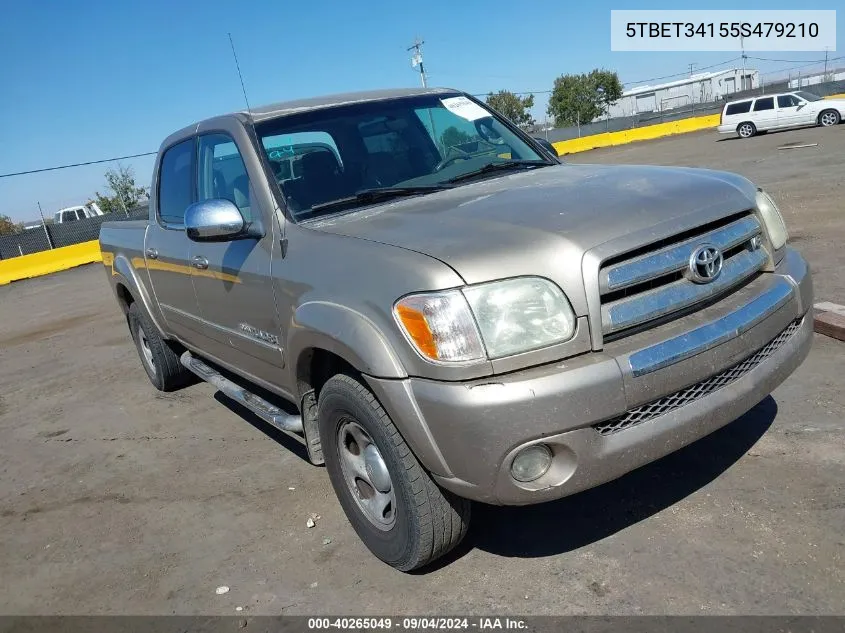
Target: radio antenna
283,239
240,76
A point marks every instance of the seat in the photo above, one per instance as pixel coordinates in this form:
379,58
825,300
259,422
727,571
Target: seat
241,196
322,179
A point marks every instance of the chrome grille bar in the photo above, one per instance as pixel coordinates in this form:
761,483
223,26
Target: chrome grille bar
675,257
641,308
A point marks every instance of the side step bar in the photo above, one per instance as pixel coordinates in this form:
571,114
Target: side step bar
270,413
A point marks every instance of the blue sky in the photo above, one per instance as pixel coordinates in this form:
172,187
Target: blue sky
88,80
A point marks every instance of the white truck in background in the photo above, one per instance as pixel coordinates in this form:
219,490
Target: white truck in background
79,212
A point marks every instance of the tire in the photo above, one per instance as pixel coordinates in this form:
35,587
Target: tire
406,521
829,118
746,129
158,358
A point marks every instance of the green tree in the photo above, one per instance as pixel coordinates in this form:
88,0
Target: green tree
125,194
8,227
453,136
581,98
514,108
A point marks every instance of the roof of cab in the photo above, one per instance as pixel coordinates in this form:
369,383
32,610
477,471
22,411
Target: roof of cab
282,108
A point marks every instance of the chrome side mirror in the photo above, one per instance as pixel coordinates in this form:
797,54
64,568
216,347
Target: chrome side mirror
216,220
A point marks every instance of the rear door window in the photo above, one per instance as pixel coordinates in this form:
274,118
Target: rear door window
767,103
175,182
740,107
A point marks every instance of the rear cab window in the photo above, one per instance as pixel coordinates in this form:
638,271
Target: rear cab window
740,107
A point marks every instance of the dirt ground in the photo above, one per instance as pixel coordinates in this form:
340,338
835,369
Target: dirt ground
117,499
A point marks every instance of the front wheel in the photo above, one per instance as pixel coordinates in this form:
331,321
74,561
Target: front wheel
829,118
746,130
398,511
159,359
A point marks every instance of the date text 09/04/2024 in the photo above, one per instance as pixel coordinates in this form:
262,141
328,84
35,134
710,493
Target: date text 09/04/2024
721,29
417,623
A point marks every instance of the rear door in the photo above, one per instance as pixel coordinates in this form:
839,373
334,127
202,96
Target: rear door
763,113
232,279
167,247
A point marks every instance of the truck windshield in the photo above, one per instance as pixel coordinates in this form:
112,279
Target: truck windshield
404,146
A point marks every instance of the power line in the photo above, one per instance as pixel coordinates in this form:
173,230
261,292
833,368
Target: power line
795,61
90,162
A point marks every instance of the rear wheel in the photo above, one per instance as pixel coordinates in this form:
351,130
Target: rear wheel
159,359
829,118
746,129
398,511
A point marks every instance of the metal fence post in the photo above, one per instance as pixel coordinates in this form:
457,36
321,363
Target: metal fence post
44,226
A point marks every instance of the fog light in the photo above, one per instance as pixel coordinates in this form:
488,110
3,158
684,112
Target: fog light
531,463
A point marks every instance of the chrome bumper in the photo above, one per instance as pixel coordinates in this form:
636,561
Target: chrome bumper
714,333
468,433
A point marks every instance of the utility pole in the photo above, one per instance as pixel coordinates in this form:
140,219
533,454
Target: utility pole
742,79
690,68
417,59
825,62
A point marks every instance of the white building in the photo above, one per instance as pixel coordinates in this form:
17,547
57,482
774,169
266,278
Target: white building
698,88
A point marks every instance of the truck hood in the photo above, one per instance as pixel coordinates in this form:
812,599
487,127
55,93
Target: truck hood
533,222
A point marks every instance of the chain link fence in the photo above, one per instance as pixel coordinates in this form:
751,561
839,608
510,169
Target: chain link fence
50,235
617,124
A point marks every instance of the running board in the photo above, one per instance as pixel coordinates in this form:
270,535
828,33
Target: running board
270,413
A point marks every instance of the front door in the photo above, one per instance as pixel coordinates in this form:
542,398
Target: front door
232,279
792,111
166,246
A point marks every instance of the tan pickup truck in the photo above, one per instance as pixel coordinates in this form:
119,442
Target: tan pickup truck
444,312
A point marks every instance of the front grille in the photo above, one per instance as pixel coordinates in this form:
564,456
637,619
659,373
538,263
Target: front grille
651,284
694,392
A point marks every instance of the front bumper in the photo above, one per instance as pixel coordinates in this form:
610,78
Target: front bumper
723,360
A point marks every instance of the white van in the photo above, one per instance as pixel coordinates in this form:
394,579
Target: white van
746,117
79,212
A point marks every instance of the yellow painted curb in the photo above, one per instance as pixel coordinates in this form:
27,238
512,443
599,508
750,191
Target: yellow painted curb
47,262
841,95
608,139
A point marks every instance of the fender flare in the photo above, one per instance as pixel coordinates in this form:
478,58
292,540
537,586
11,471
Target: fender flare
123,272
344,332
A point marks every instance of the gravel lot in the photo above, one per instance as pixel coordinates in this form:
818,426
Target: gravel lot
117,499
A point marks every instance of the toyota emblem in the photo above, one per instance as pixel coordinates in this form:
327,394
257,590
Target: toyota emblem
705,263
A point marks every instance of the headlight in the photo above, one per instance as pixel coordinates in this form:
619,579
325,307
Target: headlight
440,326
510,317
773,220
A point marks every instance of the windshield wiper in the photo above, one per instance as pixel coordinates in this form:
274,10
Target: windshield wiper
503,166
378,194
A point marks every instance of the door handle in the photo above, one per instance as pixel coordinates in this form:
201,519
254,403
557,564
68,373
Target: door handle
152,253
199,262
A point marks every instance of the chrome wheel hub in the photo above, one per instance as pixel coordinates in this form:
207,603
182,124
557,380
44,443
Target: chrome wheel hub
366,474
828,118
146,352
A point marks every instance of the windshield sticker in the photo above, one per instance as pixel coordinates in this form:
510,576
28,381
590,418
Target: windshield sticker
464,108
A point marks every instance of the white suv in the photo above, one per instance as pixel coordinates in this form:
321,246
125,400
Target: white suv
775,112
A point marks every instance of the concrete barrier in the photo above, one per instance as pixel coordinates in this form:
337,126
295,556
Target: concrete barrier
644,133
47,262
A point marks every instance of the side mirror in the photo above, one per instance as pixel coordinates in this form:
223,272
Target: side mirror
546,145
214,220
